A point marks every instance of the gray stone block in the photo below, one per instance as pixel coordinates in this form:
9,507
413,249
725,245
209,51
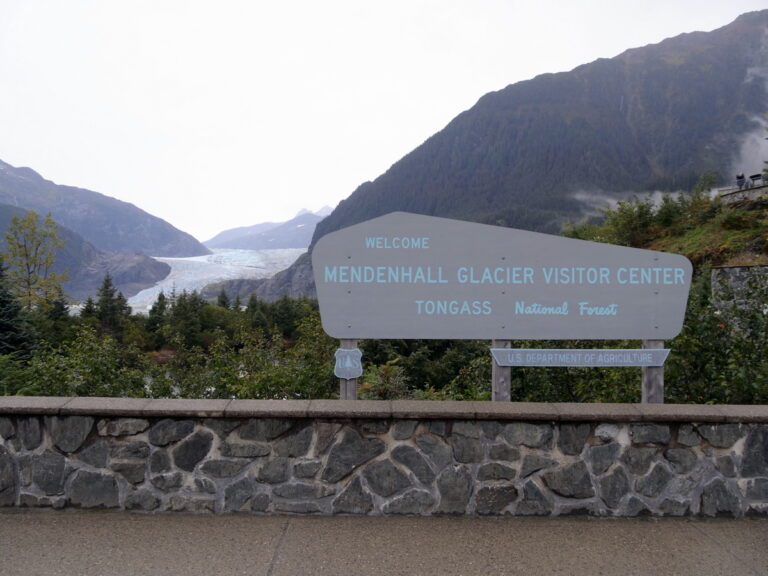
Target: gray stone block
435,450
654,482
636,507
95,455
455,487
717,499
754,461
168,482
238,495
9,484
726,466
7,429
614,487
687,436
376,427
122,426
301,507
159,462
758,489
413,501
349,453
535,501
503,452
494,499
192,450
491,429
274,472
249,450
650,433
385,479
404,429
141,500
260,502
49,472
415,462
681,460
533,463
30,432
495,471
572,481
607,432
178,503
353,500
466,449
308,469
221,426
572,437
675,507
302,491
638,460
326,434
130,450
24,463
69,432
265,428
531,435
437,427
468,429
93,490
133,472
205,485
223,468
294,444
603,456
722,435
168,431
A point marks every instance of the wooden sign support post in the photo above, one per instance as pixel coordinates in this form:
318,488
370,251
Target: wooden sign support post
348,388
653,377
501,389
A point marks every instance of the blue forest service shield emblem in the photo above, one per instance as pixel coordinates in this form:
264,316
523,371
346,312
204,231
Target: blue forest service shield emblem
349,364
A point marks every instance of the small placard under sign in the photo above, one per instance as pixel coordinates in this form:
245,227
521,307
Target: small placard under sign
579,357
349,364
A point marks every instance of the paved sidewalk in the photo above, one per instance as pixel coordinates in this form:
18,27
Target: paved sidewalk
44,542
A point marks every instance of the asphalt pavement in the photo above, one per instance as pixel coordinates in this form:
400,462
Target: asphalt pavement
70,542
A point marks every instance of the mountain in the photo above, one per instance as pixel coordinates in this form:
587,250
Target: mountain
295,233
108,224
86,265
546,150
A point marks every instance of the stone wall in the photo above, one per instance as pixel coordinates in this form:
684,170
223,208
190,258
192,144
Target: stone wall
338,457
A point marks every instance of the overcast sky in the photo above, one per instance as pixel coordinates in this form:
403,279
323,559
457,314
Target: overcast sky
213,114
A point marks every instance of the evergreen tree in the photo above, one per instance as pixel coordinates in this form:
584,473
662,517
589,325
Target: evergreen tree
112,308
223,299
15,337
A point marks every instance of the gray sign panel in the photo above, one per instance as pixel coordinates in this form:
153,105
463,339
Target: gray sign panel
410,276
576,357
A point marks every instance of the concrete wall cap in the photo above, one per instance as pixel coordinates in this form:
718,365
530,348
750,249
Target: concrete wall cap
410,409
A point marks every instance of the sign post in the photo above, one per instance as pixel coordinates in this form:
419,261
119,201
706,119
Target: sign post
348,369
653,377
501,376
407,276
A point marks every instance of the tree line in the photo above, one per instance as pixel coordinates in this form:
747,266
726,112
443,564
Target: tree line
187,347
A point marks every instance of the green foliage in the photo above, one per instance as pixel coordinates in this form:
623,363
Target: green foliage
89,365
384,382
30,255
720,356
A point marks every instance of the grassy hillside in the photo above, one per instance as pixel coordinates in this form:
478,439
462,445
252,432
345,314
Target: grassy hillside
704,229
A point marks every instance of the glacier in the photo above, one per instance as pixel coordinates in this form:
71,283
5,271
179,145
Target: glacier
194,273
